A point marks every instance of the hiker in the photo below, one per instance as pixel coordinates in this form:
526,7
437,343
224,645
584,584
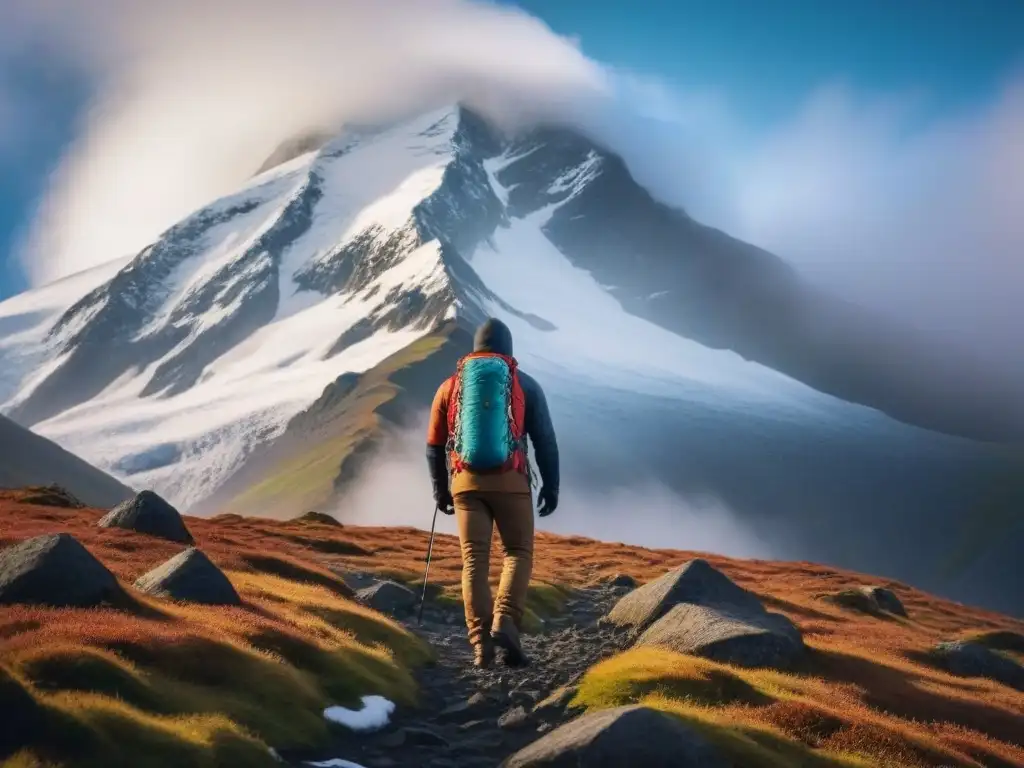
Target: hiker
479,466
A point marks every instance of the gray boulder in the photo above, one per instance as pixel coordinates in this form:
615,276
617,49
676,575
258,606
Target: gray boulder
968,659
388,597
55,570
192,577
147,513
618,737
697,609
696,582
748,638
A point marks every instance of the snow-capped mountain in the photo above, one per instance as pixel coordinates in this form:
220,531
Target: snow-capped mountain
203,345
251,319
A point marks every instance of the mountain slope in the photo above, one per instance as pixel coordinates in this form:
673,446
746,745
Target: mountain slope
29,459
190,684
329,444
251,355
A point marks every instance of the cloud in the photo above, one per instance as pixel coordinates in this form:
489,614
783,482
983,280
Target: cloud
193,95
394,489
914,215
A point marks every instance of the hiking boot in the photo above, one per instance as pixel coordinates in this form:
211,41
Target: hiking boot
483,654
506,636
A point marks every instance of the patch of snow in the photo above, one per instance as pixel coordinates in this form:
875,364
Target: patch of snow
335,763
575,179
375,714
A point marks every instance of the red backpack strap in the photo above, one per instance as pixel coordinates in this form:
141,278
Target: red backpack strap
454,401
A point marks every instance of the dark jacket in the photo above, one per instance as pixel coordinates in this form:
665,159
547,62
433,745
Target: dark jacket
495,336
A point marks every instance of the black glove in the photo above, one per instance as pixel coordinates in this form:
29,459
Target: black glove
548,501
445,502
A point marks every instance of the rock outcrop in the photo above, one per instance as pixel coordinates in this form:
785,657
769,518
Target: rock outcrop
147,513
969,659
191,577
697,609
696,582
623,736
55,570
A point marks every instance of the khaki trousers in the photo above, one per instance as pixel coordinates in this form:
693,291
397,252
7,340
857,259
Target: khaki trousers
477,514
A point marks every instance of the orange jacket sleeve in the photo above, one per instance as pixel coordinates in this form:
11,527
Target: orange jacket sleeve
437,429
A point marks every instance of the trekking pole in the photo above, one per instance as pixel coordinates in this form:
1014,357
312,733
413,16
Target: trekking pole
430,549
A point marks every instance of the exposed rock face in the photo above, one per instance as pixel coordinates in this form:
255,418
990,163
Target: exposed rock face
388,597
189,576
975,660
148,513
696,582
623,736
55,570
698,609
750,639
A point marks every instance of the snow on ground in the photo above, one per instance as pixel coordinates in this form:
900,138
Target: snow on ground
605,344
375,714
336,763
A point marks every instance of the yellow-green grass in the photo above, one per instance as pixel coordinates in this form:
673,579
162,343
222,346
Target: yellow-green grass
767,718
198,685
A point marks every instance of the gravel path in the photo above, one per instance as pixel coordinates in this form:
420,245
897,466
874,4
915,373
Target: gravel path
470,718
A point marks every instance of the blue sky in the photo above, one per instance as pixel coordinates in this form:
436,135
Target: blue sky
763,57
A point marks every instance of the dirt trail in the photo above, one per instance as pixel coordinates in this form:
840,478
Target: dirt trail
472,718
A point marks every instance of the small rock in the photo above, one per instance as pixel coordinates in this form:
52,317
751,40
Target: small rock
557,702
388,597
517,717
544,727
886,600
55,570
876,601
619,737
189,576
51,496
393,739
622,580
318,518
523,698
471,724
148,513
424,737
